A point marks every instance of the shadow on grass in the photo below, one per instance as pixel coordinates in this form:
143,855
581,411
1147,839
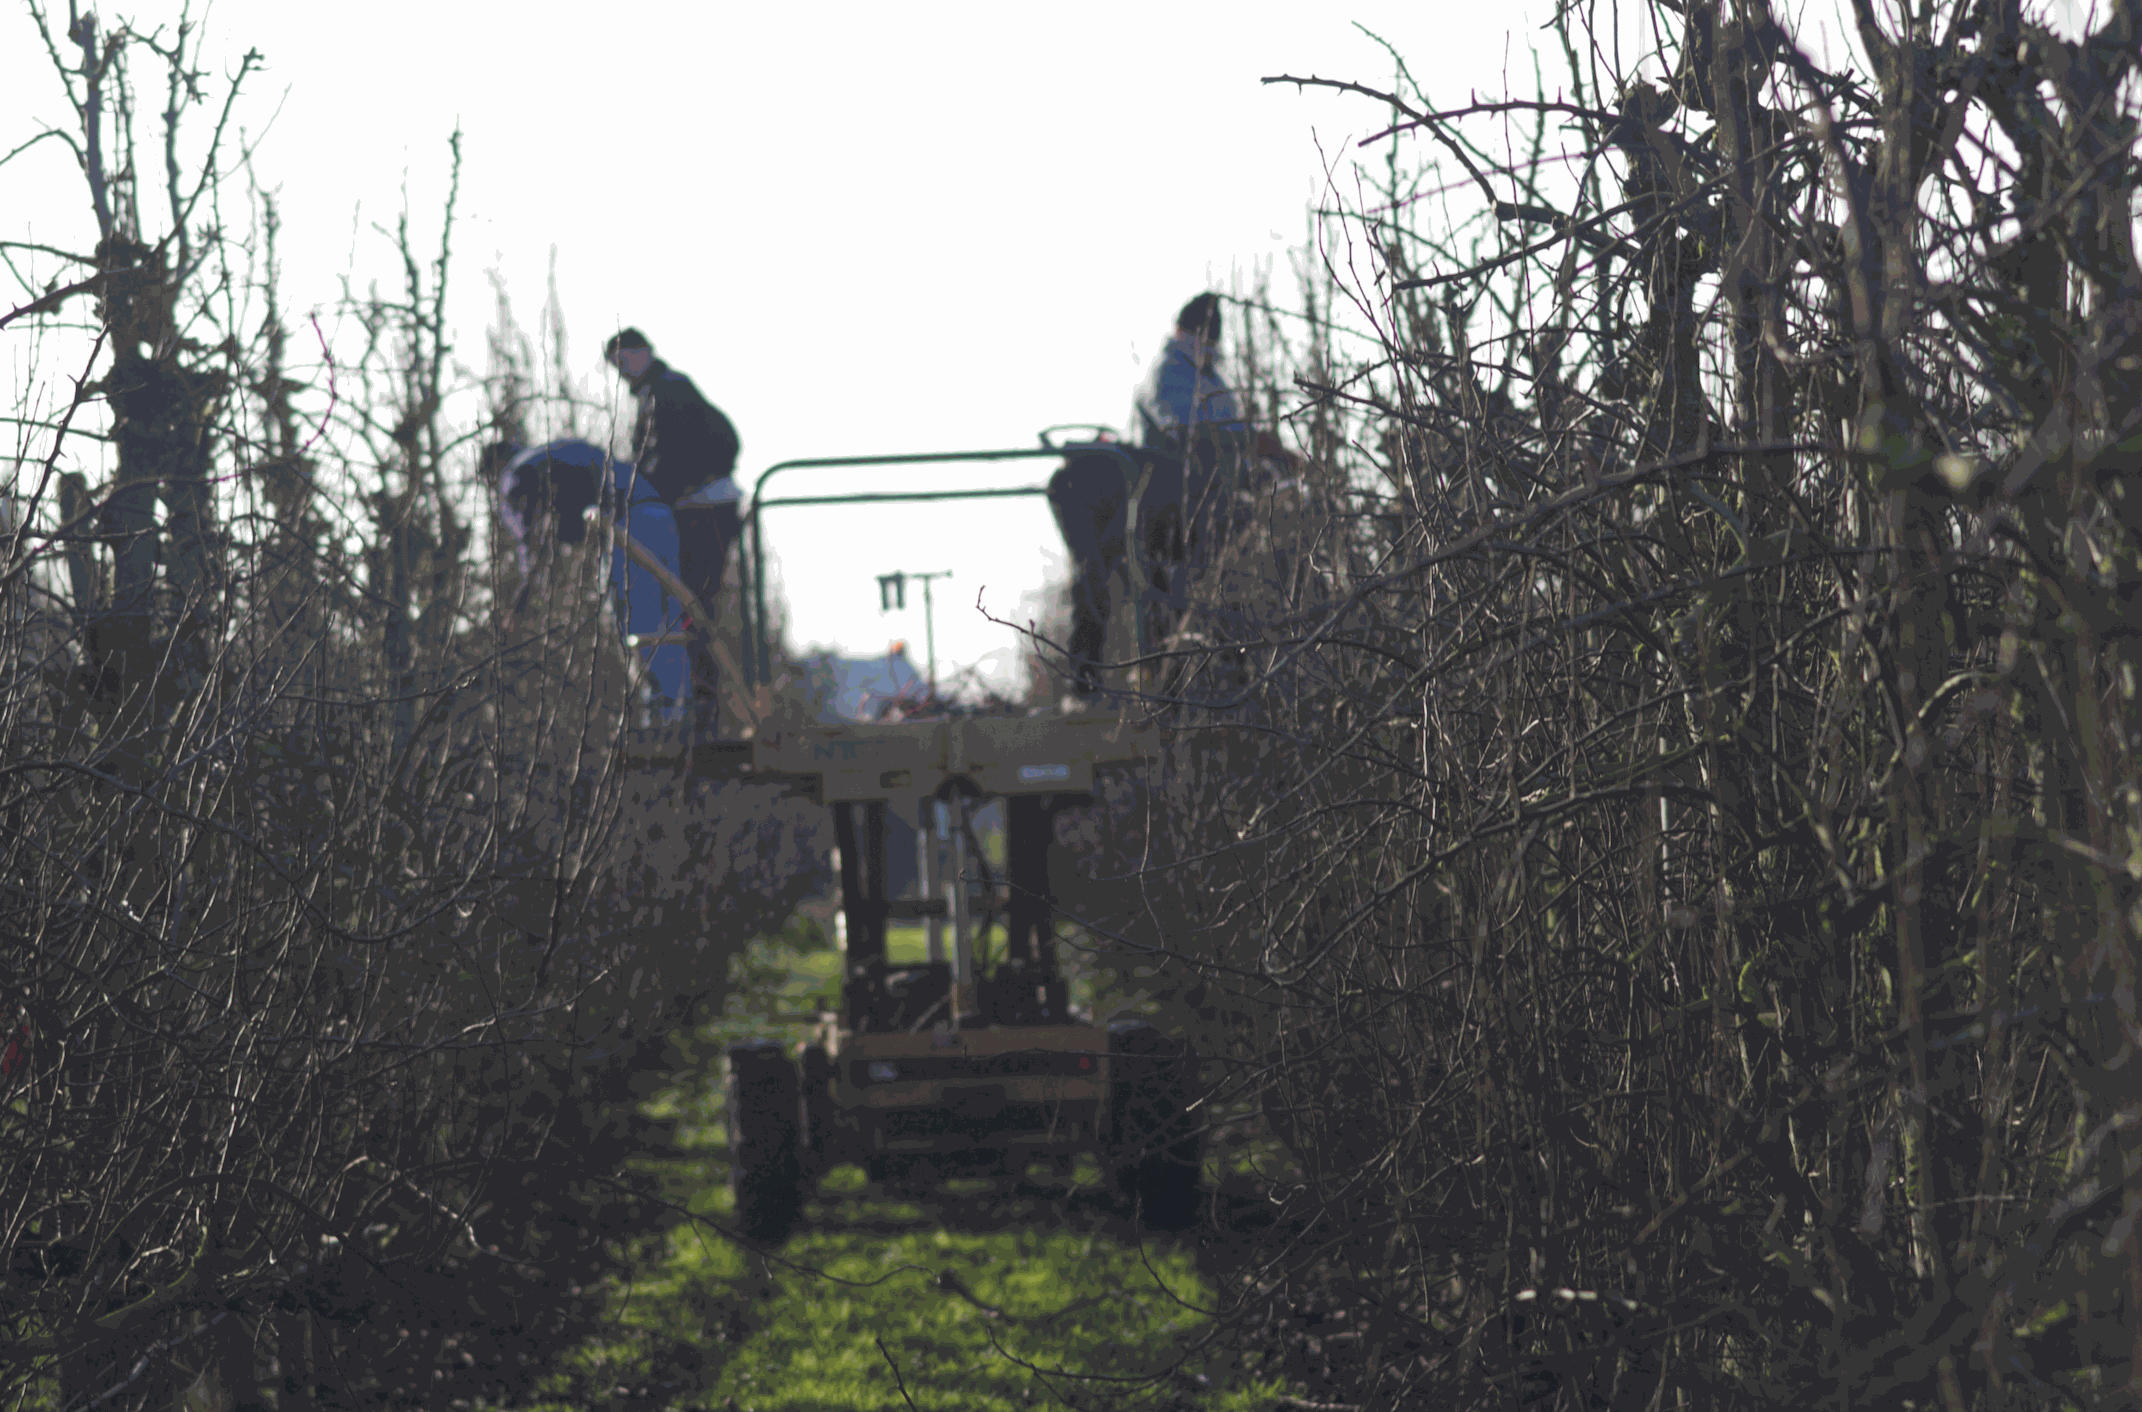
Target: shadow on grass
978,1296
966,1300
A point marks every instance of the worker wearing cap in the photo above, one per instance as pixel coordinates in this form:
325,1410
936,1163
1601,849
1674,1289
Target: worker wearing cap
686,450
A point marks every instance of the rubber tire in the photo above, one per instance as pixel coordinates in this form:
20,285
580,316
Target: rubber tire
765,1151
823,1149
1155,1148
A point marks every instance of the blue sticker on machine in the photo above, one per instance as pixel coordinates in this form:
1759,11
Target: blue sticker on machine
1030,774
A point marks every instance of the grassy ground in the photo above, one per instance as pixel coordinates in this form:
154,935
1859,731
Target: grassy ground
988,1301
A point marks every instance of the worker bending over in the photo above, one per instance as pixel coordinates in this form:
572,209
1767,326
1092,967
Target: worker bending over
544,494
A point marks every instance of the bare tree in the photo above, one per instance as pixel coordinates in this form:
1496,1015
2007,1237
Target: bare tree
1682,920
337,941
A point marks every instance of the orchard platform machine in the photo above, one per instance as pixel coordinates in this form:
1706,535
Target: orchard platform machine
972,1061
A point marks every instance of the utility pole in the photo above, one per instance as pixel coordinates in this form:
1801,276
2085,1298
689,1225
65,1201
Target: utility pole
892,593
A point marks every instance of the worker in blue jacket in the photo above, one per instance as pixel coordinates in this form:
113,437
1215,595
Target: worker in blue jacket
1190,437
1187,414
544,495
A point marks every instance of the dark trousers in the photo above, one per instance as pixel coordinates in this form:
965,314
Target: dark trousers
1090,499
1182,512
704,534
1185,512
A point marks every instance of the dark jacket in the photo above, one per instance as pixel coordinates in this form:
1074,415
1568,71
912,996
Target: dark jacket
680,441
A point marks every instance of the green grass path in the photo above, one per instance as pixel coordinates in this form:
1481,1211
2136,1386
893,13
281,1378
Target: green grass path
997,1307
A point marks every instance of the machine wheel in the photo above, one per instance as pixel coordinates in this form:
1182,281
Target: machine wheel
765,1166
821,1144
1154,1148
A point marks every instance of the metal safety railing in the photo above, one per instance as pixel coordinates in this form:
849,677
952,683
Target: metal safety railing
758,642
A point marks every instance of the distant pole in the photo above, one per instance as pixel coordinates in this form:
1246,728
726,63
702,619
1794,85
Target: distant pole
892,593
929,626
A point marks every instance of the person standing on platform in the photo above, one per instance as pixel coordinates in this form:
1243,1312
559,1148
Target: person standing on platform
685,449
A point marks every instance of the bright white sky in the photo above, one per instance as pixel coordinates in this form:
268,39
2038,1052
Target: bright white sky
859,227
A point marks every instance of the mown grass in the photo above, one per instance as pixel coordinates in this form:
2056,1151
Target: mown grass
988,1304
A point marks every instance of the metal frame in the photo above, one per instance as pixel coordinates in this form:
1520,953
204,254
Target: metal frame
859,834
758,646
